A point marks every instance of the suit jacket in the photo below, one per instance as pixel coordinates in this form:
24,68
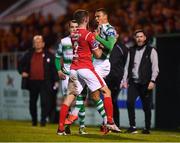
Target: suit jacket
50,72
117,59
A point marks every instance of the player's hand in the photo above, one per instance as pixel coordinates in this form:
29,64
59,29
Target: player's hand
97,31
101,46
62,76
151,85
25,74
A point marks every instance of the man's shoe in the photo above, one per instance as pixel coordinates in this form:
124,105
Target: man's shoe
34,124
112,127
70,119
67,129
61,133
82,131
132,130
145,131
42,124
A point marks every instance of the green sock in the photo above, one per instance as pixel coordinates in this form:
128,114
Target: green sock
100,109
82,116
78,106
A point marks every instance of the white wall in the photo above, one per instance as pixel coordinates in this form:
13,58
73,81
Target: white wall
14,102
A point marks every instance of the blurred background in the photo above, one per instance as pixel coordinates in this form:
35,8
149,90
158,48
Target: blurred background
20,20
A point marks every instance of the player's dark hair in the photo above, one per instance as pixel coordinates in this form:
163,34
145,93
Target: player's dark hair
103,10
80,15
72,21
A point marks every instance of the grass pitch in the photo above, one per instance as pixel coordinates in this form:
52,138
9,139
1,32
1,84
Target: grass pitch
22,131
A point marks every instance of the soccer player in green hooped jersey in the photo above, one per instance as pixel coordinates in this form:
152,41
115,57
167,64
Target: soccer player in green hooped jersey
106,35
64,55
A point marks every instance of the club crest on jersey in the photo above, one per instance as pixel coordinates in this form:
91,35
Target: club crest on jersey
75,36
111,32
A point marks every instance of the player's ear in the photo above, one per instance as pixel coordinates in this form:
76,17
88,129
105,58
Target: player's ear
86,19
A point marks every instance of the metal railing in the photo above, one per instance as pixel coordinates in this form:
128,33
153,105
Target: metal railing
9,61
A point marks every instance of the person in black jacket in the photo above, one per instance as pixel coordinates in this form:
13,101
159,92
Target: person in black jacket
141,71
118,60
39,73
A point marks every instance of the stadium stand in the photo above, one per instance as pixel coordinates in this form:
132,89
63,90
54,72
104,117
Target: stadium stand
156,17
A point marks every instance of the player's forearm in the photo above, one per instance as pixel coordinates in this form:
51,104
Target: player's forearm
97,53
109,43
57,63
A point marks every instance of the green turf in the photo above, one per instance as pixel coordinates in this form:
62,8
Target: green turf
19,131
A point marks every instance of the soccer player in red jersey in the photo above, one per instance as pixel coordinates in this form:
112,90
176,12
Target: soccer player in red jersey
82,70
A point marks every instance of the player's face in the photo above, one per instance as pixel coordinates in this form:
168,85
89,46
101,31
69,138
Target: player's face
140,38
73,27
100,17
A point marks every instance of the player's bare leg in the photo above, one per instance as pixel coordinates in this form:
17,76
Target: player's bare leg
65,106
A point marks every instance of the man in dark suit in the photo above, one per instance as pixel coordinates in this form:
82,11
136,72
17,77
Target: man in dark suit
38,69
117,59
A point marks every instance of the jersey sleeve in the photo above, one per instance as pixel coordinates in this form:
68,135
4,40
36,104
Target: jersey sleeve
59,51
58,56
92,41
111,32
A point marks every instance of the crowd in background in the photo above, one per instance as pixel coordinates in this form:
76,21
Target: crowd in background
154,16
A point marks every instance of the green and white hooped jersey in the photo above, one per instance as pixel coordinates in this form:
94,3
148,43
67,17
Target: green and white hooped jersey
105,31
65,51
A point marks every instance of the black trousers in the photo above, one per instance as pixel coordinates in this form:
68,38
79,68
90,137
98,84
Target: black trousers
135,90
43,89
53,113
114,87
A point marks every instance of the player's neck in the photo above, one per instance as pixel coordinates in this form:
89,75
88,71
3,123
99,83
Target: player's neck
82,26
105,23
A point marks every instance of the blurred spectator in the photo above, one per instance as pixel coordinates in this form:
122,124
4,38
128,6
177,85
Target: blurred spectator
39,75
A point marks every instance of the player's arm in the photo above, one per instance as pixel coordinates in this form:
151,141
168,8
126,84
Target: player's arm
108,43
58,56
96,50
58,62
110,39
